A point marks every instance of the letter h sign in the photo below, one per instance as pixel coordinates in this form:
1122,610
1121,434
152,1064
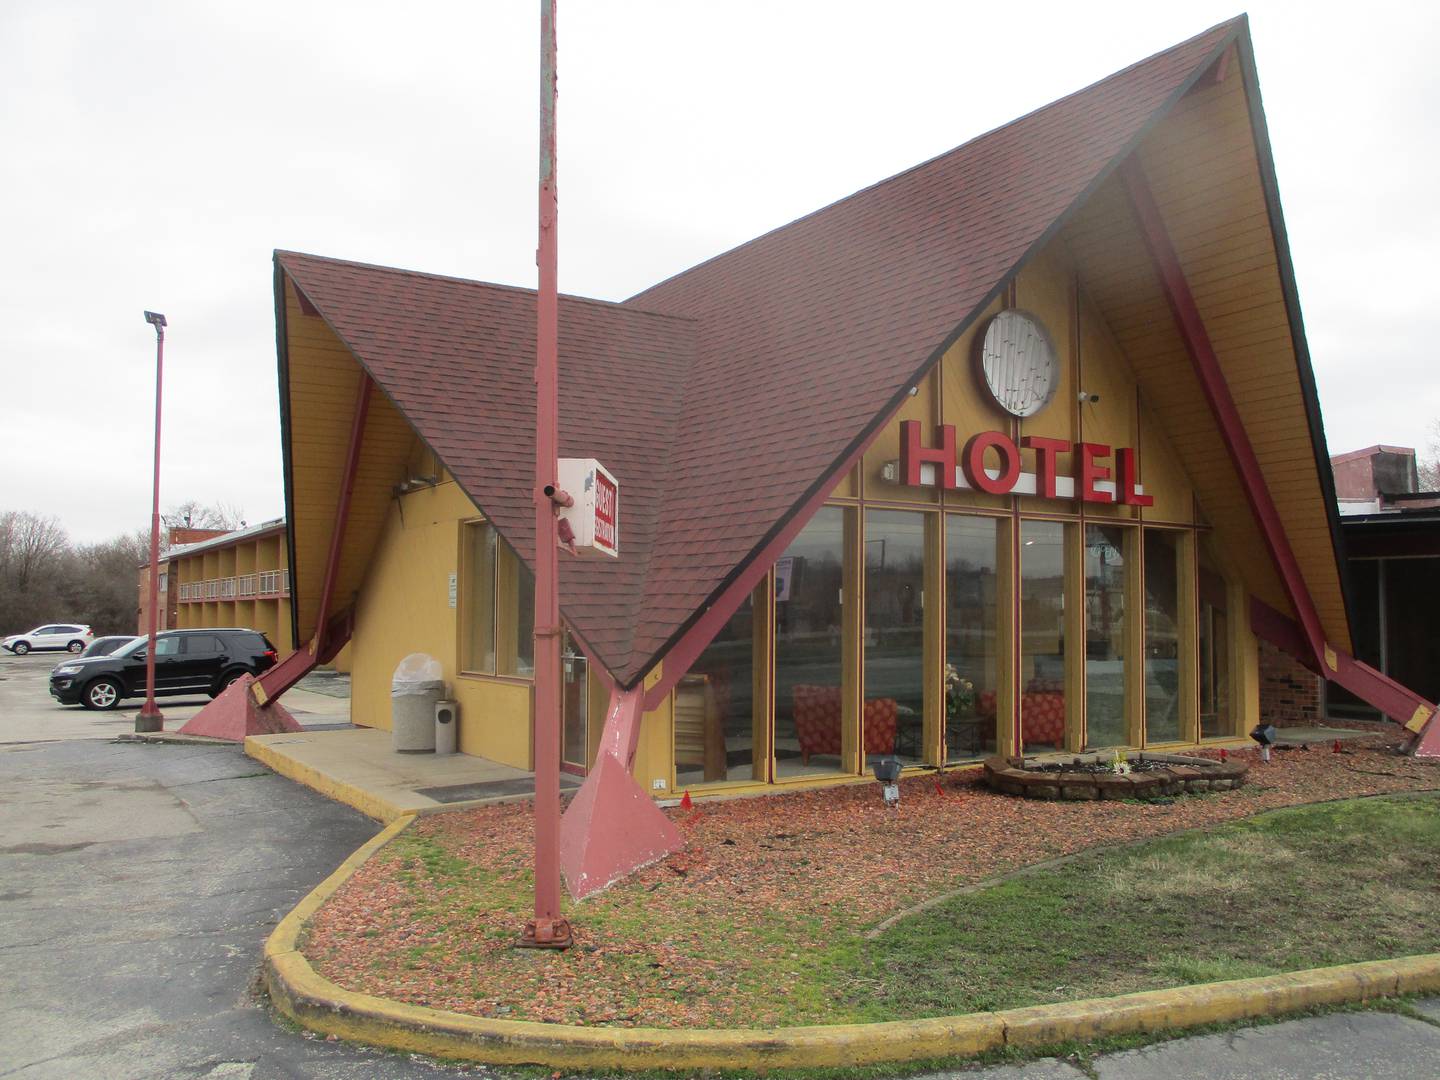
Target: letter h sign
913,454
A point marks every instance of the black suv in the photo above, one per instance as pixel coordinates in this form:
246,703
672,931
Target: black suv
186,662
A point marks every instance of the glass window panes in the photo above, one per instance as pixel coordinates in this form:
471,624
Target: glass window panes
1106,635
479,567
1042,635
972,645
515,634
810,682
1214,641
715,716
895,635
1162,636
499,631
574,706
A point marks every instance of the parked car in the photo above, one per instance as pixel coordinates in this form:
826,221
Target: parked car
69,636
186,662
104,646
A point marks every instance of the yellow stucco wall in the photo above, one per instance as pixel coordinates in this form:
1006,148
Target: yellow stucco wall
404,607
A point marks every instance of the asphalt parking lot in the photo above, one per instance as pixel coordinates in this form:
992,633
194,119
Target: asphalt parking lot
138,883
28,713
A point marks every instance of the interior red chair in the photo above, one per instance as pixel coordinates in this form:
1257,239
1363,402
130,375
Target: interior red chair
818,728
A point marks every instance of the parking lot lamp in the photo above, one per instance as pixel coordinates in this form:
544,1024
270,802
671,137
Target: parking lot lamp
149,718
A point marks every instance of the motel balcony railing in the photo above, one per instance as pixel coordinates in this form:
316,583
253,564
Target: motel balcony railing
262,585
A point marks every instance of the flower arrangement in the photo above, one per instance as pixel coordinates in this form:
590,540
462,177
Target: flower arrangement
959,694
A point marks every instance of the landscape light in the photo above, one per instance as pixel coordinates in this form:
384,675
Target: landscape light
1265,735
887,771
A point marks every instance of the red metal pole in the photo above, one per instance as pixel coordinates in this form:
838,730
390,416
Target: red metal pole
149,718
547,929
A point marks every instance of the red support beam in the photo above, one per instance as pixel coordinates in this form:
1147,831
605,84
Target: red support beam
249,707
342,511
612,827
294,667
1404,706
1222,406
302,661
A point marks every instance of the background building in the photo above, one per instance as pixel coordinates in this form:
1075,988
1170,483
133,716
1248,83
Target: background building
1392,548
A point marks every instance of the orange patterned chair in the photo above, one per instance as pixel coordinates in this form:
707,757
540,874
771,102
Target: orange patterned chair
1042,711
817,722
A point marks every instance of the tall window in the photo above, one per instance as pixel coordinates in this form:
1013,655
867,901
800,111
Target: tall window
895,634
810,680
1105,636
1214,654
498,633
1042,635
972,643
715,716
1162,636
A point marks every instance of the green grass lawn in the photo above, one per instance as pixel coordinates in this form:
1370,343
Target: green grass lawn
764,941
1306,887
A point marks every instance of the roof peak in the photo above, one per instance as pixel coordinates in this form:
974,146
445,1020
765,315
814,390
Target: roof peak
1238,21
281,254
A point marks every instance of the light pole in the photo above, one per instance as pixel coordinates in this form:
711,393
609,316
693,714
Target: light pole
149,718
549,929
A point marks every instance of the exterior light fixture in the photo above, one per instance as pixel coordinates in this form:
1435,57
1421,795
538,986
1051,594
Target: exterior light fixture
1265,735
887,771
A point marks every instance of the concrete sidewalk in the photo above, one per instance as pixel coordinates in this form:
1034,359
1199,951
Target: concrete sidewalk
356,766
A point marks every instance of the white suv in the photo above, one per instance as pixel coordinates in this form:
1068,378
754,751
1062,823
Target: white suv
68,636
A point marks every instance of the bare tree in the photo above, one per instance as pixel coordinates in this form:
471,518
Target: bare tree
34,561
101,585
1429,463
193,514
27,543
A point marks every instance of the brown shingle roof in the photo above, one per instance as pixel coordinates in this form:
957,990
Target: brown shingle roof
734,390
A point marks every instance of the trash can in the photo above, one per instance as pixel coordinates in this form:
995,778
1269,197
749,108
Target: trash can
416,687
447,726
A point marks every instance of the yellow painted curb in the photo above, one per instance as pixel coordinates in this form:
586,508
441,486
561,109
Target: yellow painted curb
370,805
315,1002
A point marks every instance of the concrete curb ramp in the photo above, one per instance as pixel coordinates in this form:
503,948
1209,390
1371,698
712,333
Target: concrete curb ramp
311,1000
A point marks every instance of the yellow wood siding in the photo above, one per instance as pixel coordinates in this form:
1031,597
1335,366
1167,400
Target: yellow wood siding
323,378
1203,169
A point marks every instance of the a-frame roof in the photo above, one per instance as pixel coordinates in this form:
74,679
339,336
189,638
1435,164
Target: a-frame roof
727,396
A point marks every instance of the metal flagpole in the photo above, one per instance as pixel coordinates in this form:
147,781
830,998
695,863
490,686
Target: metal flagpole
547,930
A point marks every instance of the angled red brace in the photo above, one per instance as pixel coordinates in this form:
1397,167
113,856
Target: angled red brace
1222,405
1404,706
612,827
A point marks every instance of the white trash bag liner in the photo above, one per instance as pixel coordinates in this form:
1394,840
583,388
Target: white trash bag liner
418,673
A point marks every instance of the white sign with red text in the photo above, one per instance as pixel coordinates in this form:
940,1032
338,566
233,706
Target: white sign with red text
594,515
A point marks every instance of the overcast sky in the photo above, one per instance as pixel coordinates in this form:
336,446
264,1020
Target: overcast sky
154,154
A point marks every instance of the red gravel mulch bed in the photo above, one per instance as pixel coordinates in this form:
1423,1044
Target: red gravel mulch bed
742,927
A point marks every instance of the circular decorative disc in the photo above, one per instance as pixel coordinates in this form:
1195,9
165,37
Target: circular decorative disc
1017,363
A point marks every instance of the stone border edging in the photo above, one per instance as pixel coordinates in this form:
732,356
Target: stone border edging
1183,774
308,998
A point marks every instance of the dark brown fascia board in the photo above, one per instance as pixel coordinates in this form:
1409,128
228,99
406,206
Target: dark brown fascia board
281,277
828,478
282,359
1308,390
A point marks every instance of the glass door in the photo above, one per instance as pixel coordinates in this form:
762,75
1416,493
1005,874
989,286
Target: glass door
574,709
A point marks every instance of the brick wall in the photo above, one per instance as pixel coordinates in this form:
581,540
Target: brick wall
1289,693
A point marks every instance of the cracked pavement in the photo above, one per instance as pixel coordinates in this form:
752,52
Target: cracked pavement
138,883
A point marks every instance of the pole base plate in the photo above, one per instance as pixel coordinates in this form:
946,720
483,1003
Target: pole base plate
546,934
